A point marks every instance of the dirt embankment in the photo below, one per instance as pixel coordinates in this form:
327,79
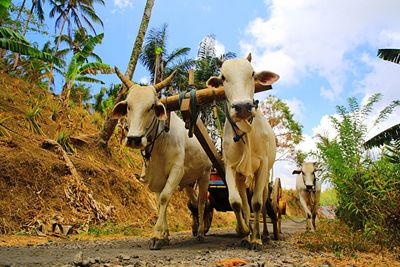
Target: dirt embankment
36,186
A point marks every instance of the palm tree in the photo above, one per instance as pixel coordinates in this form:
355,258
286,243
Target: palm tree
79,67
80,40
37,8
110,123
392,55
158,61
76,11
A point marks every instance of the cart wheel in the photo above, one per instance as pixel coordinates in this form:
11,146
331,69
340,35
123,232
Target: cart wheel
276,201
208,216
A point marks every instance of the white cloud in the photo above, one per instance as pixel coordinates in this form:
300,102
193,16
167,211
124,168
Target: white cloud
123,3
312,37
219,48
297,108
144,80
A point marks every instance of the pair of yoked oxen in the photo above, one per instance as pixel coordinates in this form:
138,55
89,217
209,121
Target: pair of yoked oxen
174,159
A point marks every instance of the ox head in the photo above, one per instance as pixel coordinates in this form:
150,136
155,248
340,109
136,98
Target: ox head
142,109
238,78
308,172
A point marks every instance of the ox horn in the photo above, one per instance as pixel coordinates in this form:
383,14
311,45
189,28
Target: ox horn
249,57
128,83
165,82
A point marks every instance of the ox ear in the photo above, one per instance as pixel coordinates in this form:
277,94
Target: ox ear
161,112
266,77
120,110
296,172
214,81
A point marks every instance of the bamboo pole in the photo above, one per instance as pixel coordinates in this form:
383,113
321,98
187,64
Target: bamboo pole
205,96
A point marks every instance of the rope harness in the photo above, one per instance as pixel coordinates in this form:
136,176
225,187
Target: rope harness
194,110
146,152
237,136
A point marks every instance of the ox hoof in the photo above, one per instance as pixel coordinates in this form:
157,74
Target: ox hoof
194,231
256,247
245,244
266,238
157,244
201,238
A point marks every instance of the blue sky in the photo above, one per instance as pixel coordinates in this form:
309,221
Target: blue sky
324,51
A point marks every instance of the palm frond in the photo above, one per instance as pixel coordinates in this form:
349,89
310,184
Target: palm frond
392,55
87,79
385,112
95,68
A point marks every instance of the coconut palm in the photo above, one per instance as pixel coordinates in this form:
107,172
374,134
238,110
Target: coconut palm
37,9
158,61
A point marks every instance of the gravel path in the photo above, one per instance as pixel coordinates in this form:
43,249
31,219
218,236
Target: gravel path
182,251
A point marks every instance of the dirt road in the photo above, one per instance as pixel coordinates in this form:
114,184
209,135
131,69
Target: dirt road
182,251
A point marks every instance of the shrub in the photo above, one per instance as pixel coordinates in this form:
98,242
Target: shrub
33,117
368,192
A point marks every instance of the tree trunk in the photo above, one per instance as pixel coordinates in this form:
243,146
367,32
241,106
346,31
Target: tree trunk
55,50
16,55
110,123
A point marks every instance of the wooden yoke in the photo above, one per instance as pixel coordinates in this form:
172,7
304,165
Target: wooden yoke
205,96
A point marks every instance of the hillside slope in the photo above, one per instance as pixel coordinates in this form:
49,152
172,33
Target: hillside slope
36,185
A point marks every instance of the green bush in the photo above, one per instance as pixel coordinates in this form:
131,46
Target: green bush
368,192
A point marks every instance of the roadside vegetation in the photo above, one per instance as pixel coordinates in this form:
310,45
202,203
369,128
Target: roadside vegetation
367,189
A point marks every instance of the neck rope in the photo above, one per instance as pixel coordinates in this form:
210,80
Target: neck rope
237,136
146,152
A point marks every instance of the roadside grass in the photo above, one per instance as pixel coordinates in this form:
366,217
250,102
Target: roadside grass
340,243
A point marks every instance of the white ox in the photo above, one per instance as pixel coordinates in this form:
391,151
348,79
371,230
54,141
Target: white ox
173,159
309,189
248,144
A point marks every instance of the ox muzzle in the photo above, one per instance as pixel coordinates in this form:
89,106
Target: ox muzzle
136,141
244,110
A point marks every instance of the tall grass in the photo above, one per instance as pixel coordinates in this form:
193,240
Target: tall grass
33,117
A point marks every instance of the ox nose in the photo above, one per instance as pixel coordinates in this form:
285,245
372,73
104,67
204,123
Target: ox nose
133,140
309,187
243,110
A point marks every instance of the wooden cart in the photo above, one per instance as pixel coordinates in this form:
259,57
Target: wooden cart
218,192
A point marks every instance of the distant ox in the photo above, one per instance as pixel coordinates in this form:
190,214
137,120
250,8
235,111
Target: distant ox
309,189
173,159
248,144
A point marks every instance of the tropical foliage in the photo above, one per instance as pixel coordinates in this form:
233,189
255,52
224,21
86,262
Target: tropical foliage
288,131
368,192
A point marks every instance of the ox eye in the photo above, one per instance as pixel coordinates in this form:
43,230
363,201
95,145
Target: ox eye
252,75
223,78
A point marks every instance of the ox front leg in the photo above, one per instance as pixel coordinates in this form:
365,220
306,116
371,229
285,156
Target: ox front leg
161,228
303,201
236,203
257,204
